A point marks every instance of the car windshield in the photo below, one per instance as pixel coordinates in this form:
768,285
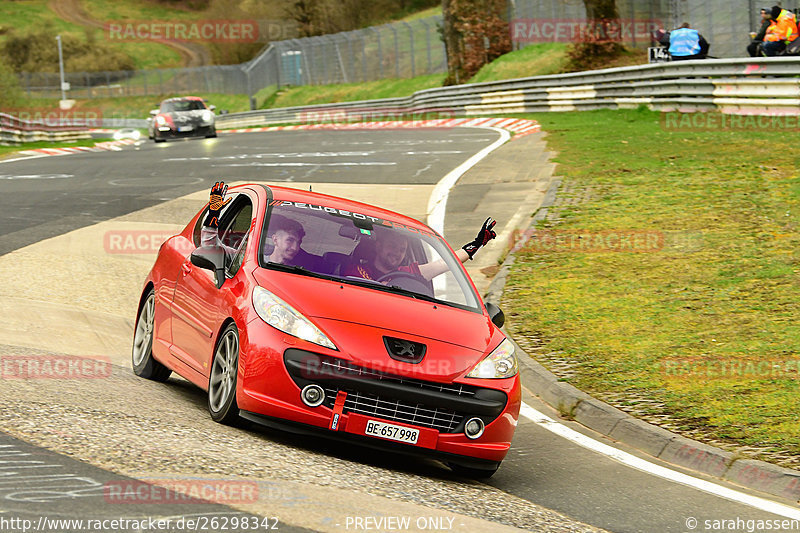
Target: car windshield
364,250
182,105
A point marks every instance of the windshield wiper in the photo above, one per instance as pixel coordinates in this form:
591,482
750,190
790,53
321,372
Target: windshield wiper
296,270
372,284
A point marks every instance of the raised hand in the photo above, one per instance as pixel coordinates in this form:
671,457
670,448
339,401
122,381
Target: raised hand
485,235
215,203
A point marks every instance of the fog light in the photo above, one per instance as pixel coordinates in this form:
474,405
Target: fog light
313,395
473,428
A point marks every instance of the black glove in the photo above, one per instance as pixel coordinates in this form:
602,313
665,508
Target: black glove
216,203
485,235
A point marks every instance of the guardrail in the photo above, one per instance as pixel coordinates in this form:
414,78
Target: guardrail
16,131
765,86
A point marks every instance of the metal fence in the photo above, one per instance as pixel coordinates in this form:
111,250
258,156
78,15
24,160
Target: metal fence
407,49
226,79
724,23
751,87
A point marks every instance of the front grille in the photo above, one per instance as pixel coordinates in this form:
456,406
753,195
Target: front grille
437,418
441,406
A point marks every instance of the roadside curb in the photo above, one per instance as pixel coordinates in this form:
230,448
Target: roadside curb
619,426
520,127
99,147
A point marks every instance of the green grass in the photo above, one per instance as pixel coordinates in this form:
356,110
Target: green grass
9,151
137,10
22,15
350,92
724,287
534,60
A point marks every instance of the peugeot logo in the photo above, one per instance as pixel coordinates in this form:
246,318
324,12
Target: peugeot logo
403,350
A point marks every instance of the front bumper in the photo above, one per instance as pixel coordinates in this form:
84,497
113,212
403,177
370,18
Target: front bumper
197,131
270,391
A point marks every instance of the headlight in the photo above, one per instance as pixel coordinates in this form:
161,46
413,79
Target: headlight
501,363
284,317
160,120
208,116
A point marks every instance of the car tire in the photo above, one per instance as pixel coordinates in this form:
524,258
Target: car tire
212,135
144,365
474,473
222,403
156,139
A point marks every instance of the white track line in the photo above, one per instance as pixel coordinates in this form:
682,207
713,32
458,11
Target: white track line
437,202
640,464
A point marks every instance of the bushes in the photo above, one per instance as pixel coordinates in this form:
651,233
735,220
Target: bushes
10,93
37,51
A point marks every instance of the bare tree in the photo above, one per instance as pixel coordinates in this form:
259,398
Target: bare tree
475,32
601,9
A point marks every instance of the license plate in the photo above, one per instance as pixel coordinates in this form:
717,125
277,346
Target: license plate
391,432
185,128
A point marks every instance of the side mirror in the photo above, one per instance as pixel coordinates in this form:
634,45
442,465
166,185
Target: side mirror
210,258
212,107
153,112
496,314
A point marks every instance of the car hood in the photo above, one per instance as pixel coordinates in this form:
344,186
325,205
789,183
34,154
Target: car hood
336,306
186,117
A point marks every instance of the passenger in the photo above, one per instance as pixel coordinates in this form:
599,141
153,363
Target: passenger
754,48
390,252
781,32
286,235
686,43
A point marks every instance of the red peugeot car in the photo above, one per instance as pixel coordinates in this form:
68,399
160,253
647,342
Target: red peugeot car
406,362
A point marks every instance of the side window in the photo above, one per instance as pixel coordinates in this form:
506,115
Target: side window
237,228
237,203
198,227
236,233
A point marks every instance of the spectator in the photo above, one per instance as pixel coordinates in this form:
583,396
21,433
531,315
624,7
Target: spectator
781,32
686,43
754,48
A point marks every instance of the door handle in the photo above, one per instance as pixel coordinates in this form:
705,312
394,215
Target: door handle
186,268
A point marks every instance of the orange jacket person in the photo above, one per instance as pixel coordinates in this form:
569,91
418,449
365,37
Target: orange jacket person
781,32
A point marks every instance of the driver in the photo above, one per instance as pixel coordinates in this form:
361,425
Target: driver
391,248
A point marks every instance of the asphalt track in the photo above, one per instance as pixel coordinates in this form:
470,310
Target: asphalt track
50,196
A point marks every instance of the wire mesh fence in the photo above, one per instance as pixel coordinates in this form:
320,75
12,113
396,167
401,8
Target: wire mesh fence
409,49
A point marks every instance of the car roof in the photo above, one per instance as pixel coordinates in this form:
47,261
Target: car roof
180,98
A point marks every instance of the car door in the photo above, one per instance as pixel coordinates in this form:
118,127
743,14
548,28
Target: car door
196,306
